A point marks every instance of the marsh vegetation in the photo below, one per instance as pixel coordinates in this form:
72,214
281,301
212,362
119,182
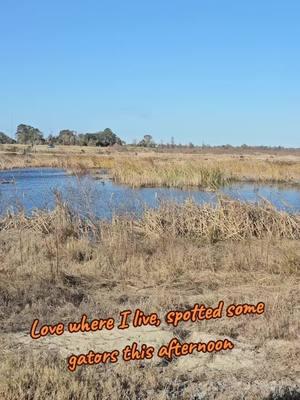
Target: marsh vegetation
60,264
137,168
55,265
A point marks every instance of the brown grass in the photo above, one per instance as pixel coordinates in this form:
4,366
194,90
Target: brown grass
56,266
137,168
229,220
205,173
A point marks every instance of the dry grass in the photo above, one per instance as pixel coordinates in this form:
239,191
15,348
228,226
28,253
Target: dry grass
56,266
205,173
151,172
43,377
69,162
138,168
229,220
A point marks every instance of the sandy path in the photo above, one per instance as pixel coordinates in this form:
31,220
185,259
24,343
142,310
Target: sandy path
242,357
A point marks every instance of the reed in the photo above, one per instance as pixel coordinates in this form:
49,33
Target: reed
203,173
69,161
56,266
228,220
140,169
139,173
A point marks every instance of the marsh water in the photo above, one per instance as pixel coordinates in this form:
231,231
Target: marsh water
34,188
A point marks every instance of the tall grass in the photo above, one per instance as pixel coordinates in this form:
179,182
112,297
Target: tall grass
138,173
170,170
72,162
227,220
56,265
203,173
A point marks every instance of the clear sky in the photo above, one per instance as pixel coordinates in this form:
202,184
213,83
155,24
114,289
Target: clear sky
211,71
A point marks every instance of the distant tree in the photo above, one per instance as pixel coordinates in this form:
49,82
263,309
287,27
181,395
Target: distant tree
4,139
90,139
108,138
92,142
67,137
82,140
172,142
27,134
191,145
148,138
147,141
51,139
102,138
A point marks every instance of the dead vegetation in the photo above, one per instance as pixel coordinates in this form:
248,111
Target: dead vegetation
138,168
56,266
207,173
227,220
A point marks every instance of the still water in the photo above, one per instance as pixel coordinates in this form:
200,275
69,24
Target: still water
34,188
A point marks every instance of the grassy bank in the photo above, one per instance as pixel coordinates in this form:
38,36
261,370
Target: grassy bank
55,266
138,169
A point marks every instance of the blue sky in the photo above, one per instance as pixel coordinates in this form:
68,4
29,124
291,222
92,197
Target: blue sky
212,71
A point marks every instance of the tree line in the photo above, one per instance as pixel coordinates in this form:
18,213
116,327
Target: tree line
29,135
